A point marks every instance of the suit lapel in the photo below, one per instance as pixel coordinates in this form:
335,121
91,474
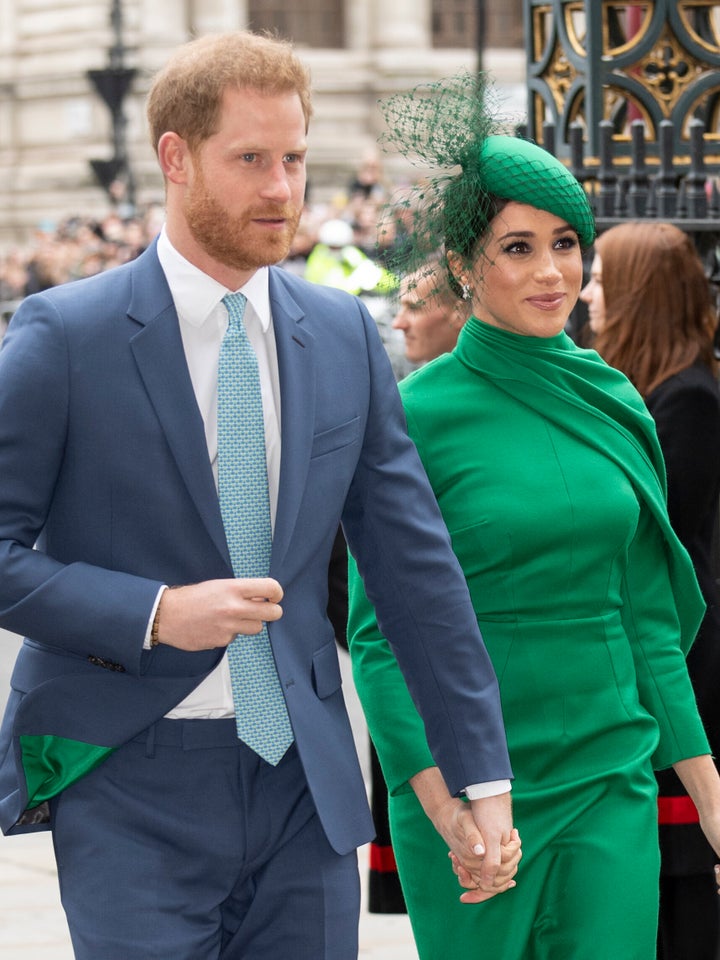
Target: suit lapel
160,358
296,362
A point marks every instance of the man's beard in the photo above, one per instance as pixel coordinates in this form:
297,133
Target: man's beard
235,241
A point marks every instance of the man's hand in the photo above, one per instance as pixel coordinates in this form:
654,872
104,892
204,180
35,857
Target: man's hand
510,854
209,614
470,847
493,816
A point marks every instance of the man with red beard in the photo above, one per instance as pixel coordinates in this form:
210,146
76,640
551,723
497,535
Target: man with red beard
203,806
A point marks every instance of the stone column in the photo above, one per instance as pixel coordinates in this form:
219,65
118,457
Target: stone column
7,28
163,25
402,23
215,16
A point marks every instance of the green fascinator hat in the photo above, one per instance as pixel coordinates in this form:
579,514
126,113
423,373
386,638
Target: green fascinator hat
453,125
516,169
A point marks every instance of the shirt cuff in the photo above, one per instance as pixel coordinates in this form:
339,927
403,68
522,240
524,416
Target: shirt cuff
146,643
493,788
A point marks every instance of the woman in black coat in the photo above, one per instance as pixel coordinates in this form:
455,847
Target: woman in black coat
651,312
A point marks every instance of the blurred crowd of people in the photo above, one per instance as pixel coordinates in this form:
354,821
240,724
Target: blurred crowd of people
344,242
80,246
76,247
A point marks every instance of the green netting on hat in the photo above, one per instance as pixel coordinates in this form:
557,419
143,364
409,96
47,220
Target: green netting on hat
440,124
519,170
454,125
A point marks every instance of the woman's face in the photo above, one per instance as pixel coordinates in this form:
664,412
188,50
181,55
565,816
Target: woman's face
528,276
594,296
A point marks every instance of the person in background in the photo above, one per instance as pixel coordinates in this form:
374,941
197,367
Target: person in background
547,470
336,261
13,275
367,182
650,309
180,439
431,313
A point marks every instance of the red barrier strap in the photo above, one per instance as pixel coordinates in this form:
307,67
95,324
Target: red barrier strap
382,859
677,810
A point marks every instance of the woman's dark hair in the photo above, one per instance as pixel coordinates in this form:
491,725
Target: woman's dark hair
468,212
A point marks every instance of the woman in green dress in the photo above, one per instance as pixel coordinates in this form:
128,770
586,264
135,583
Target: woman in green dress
546,466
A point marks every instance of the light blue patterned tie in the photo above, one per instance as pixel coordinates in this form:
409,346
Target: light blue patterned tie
260,712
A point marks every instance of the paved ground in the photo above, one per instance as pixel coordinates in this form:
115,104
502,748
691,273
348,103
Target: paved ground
32,924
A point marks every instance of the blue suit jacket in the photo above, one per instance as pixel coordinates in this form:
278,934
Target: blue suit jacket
104,469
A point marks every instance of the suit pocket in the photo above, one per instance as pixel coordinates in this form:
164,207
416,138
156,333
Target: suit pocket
335,438
326,676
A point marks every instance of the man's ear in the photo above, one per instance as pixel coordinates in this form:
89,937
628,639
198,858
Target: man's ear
174,157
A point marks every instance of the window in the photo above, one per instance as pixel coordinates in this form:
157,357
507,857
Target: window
503,27
311,23
455,23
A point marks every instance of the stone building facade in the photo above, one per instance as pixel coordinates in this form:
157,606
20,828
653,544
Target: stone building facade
53,122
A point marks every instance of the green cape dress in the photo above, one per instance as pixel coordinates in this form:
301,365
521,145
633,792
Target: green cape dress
547,469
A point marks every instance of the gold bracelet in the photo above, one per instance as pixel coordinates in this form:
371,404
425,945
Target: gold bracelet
155,628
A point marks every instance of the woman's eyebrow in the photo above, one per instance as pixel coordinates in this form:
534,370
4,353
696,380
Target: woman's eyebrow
531,233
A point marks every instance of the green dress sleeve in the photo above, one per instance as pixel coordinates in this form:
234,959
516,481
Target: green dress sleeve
650,617
392,718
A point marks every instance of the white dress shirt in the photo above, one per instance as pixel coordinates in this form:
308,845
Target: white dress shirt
203,322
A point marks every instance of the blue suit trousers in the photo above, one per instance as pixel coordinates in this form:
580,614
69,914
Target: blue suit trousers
226,860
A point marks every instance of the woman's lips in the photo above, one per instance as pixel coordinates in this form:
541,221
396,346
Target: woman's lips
547,301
